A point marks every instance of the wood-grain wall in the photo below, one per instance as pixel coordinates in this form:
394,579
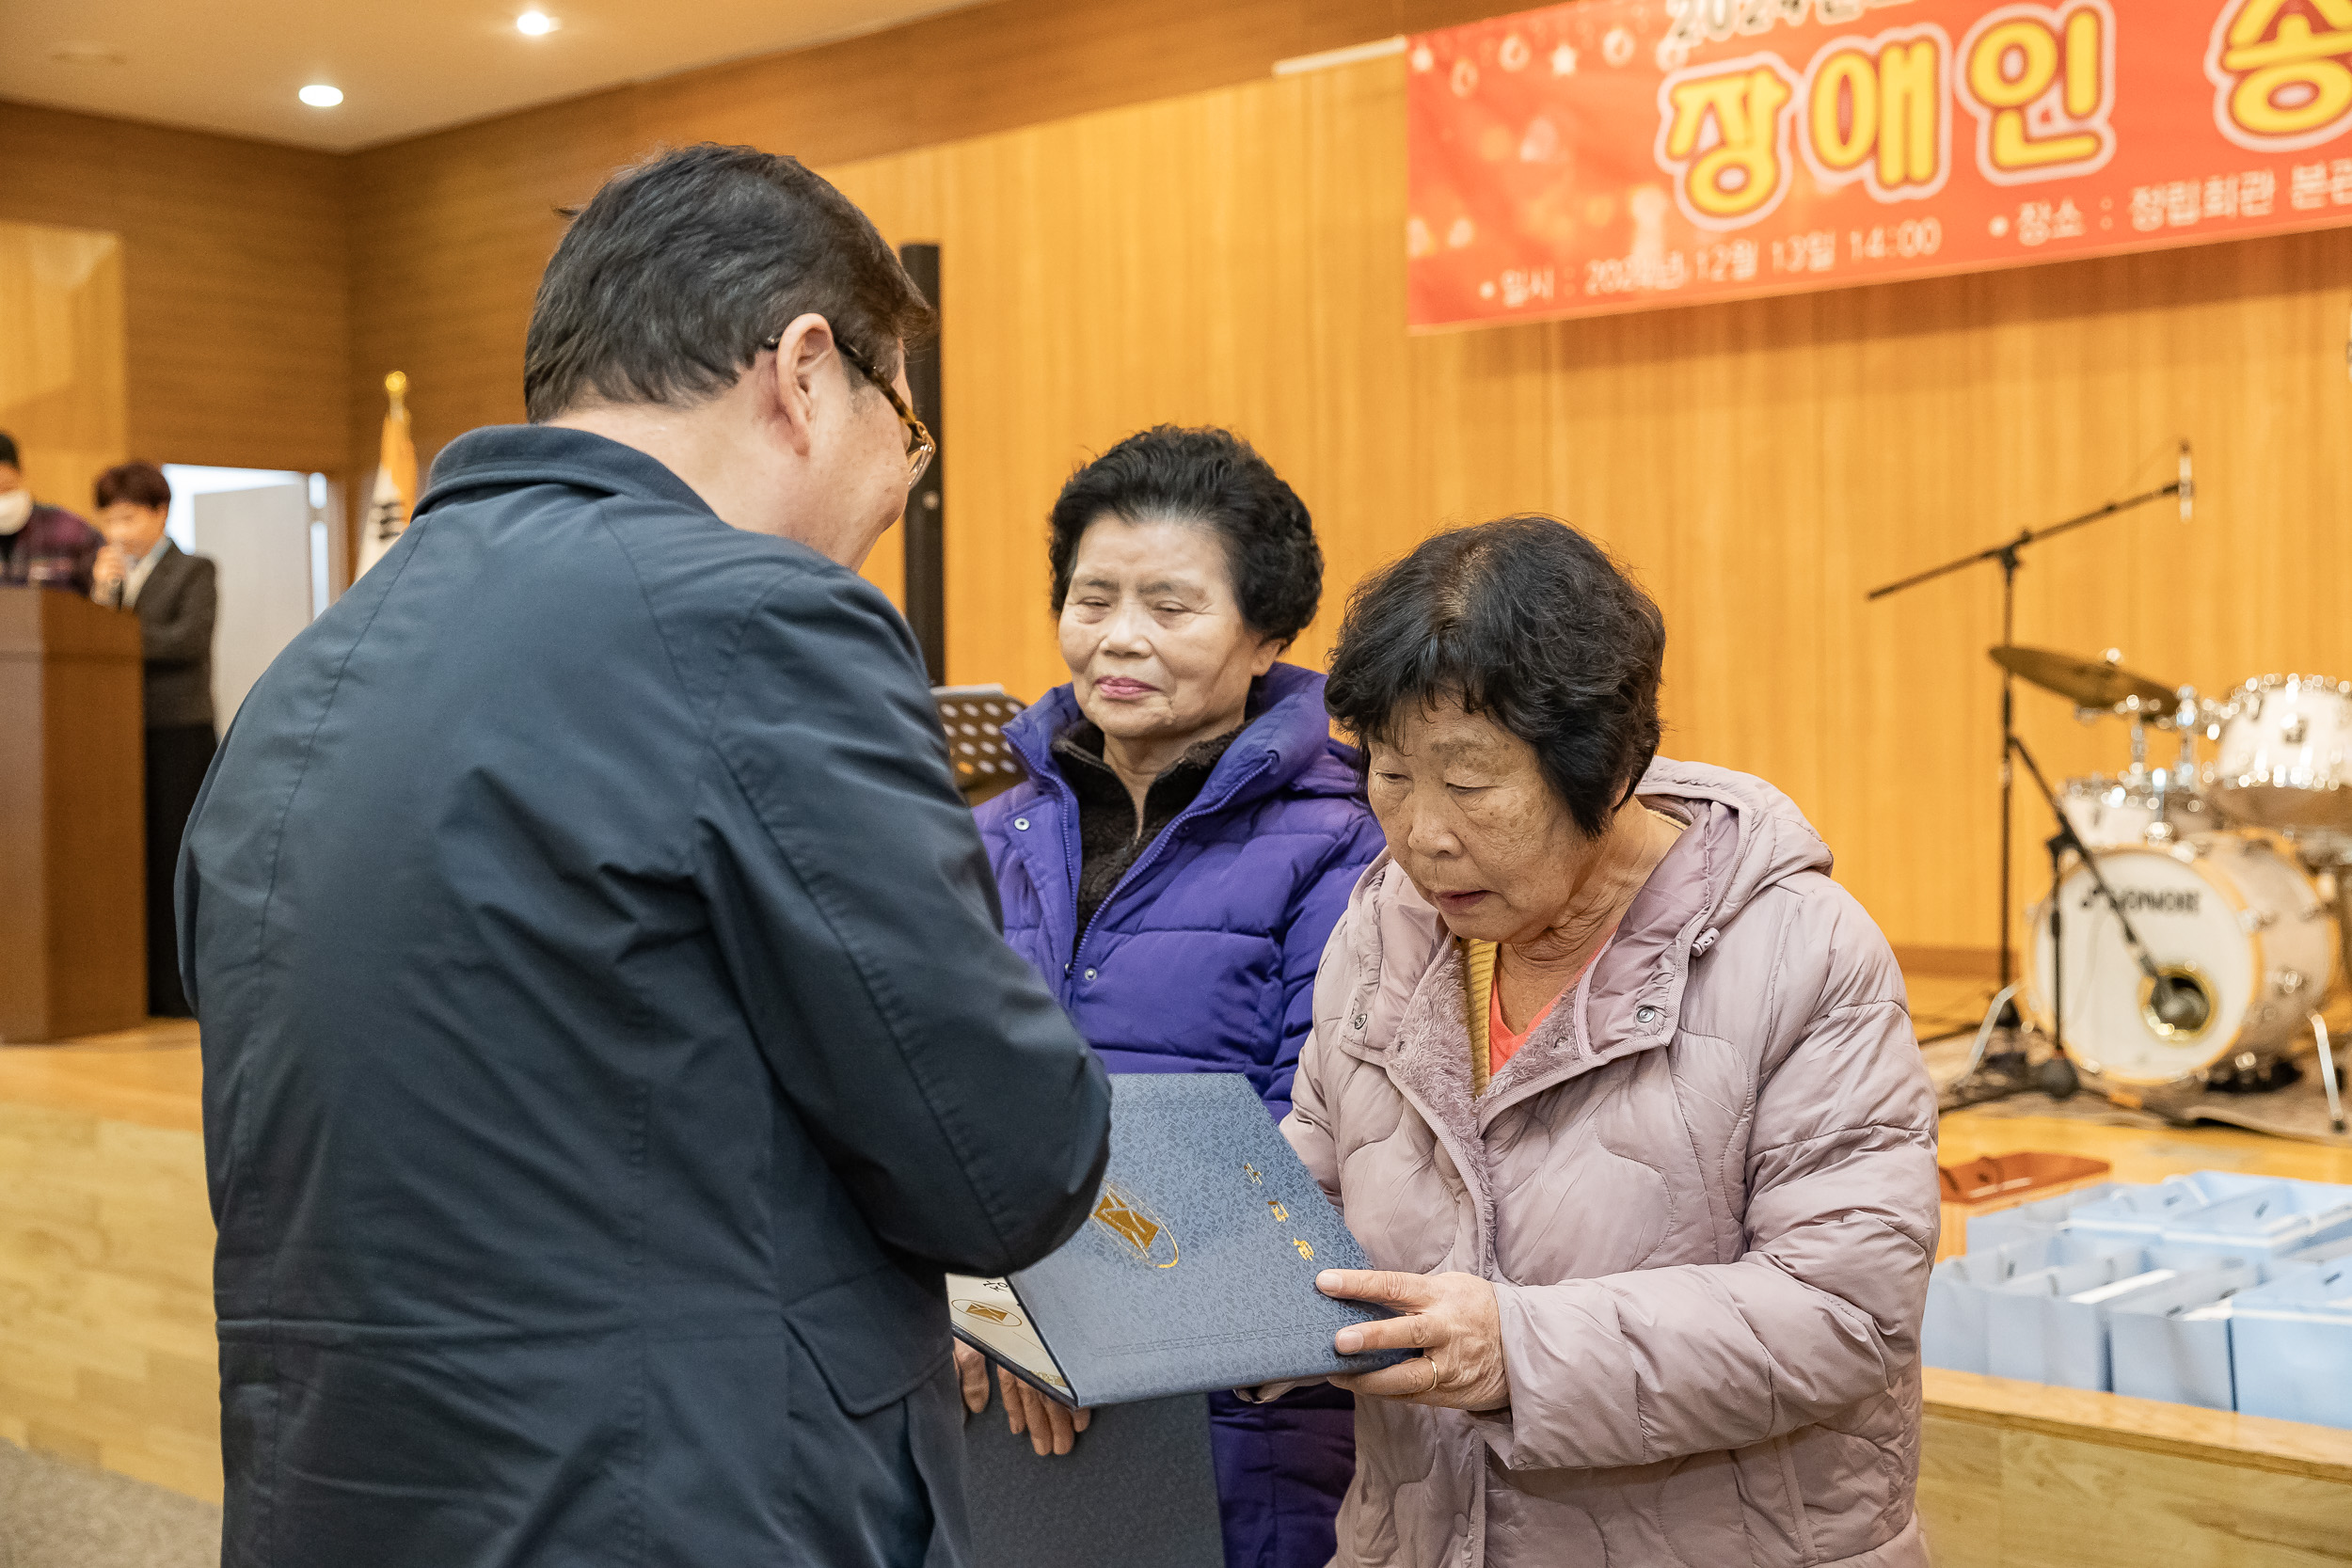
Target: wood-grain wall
449,231
1232,254
61,354
1232,257
236,336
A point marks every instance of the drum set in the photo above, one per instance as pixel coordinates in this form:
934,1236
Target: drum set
2199,912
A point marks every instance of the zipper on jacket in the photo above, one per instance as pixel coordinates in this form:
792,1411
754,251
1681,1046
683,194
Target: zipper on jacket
1070,822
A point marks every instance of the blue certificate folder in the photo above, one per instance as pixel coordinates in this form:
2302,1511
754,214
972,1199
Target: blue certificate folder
1197,1269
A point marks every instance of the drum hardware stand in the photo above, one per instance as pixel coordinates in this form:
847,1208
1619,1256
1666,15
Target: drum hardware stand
2058,844
1999,1074
2179,1007
2008,556
2328,1070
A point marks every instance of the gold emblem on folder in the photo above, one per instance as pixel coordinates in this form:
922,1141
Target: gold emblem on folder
1141,1232
990,1314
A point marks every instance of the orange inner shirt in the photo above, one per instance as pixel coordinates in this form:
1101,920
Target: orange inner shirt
1496,1044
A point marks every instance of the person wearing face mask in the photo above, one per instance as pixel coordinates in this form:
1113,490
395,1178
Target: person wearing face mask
1185,839
44,546
608,1040
1618,1089
142,572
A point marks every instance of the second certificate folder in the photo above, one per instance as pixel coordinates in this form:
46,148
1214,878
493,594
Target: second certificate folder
1195,1269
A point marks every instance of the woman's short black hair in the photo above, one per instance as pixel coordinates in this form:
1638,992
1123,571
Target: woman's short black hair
1528,621
1216,479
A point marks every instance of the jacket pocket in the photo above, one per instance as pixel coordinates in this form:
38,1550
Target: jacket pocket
874,1338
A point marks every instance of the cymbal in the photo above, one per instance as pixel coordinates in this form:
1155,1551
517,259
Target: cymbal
2085,682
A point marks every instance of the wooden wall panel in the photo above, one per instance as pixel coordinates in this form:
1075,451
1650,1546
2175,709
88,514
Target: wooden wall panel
450,232
61,355
1231,256
233,279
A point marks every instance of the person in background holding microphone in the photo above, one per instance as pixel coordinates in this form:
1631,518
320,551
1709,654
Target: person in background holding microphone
140,570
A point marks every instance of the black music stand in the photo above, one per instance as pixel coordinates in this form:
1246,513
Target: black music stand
974,718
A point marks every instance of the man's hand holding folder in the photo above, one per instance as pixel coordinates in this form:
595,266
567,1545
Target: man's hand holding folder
1051,1428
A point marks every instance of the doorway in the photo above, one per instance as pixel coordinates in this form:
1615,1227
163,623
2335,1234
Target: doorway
272,537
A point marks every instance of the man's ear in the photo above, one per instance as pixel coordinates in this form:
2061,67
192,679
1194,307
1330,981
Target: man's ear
801,353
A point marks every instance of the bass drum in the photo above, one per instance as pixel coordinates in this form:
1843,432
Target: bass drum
2229,916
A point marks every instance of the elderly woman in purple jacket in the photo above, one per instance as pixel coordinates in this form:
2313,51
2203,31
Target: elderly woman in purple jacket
1187,837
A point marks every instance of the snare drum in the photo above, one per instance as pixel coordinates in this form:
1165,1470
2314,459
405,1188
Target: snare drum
2285,760
2229,913
2109,813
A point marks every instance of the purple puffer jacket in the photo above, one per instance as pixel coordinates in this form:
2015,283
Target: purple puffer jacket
1203,959
1705,1188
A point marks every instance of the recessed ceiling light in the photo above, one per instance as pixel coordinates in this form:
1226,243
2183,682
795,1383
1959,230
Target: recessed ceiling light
537,23
320,96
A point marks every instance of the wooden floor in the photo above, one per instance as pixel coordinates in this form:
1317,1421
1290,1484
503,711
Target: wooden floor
106,1351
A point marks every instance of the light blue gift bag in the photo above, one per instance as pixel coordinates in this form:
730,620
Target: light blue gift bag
2050,1326
2171,1343
2291,1345
2271,1222
2143,1214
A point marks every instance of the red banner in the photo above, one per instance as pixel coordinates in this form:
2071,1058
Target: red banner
1625,154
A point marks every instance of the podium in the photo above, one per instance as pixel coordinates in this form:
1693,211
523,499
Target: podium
73,823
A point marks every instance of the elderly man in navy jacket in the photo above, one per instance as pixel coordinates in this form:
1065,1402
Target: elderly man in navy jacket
607,1036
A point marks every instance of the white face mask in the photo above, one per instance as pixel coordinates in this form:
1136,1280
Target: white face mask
16,507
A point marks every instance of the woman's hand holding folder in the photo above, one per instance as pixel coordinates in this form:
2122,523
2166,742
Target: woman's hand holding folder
1452,1319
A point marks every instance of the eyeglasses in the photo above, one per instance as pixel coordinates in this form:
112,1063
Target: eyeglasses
921,448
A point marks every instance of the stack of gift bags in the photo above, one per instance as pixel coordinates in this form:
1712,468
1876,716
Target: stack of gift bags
2232,1292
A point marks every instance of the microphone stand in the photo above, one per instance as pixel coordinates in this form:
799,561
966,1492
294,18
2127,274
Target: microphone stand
2008,556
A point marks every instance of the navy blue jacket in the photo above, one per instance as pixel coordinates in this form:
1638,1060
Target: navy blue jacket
606,1041
1203,959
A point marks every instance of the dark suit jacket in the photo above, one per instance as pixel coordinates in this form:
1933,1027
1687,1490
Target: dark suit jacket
175,608
607,1042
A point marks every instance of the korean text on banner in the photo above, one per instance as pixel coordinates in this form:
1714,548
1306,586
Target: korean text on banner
1625,155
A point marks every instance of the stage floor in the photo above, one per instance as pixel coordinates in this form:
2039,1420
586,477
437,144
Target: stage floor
106,1348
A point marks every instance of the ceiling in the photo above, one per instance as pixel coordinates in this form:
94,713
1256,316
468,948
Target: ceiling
403,68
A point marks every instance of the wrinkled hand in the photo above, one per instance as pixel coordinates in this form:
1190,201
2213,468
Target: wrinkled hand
1052,1427
1452,1319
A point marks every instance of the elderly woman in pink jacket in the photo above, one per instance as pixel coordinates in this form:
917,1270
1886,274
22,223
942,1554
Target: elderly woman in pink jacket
1618,1090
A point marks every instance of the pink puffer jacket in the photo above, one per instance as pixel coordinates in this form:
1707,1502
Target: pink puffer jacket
1705,1192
